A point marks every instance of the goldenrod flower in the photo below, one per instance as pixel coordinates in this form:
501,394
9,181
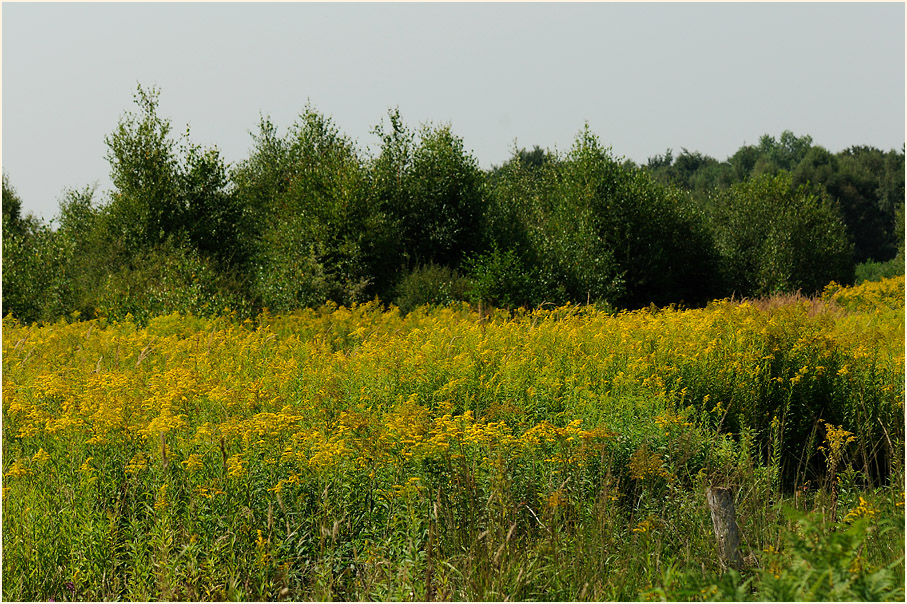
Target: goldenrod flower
18,469
863,510
236,467
41,457
161,500
193,462
136,464
645,464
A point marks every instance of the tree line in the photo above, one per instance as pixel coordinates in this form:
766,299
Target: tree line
309,219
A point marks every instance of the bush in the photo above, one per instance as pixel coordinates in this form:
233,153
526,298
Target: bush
430,284
876,271
35,284
431,190
169,278
307,217
499,279
813,562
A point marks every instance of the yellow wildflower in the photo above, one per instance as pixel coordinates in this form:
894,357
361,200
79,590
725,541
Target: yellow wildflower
645,464
136,464
41,457
18,469
193,462
236,467
161,501
863,510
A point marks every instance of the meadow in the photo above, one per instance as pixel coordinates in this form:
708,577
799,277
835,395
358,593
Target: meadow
549,454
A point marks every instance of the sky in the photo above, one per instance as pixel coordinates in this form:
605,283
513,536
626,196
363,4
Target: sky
646,77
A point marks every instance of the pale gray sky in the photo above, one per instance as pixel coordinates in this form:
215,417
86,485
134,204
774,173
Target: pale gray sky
708,77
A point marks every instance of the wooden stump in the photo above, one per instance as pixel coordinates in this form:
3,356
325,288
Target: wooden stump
724,522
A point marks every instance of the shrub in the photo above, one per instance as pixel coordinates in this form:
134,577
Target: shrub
499,279
36,284
875,271
430,284
169,278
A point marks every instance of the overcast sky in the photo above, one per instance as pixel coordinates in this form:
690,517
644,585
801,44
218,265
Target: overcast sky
647,77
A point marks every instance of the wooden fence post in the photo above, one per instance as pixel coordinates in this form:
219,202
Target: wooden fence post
724,522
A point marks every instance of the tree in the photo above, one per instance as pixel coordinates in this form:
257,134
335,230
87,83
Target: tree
773,237
688,165
876,198
147,205
13,221
213,215
170,189
743,162
35,258
429,193
304,199
655,234
865,188
782,154
444,206
90,254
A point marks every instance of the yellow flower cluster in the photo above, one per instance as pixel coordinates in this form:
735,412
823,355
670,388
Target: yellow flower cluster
863,510
645,464
670,420
341,390
868,295
836,441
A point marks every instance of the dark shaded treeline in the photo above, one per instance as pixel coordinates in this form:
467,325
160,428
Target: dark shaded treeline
306,218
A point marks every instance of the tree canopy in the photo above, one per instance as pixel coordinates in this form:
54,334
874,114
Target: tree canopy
309,218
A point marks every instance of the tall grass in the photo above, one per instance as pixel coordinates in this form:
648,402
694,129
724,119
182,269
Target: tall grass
556,454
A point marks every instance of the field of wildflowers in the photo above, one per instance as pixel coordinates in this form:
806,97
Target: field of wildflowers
555,454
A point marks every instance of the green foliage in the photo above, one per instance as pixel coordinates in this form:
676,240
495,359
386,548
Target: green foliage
661,250
387,195
92,254
813,561
692,171
166,279
38,270
773,238
13,221
289,274
587,227
431,192
262,178
304,220
532,161
516,210
498,278
304,194
444,210
817,564
430,284
875,271
549,237
33,265
782,154
165,189
858,181
146,206
214,220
